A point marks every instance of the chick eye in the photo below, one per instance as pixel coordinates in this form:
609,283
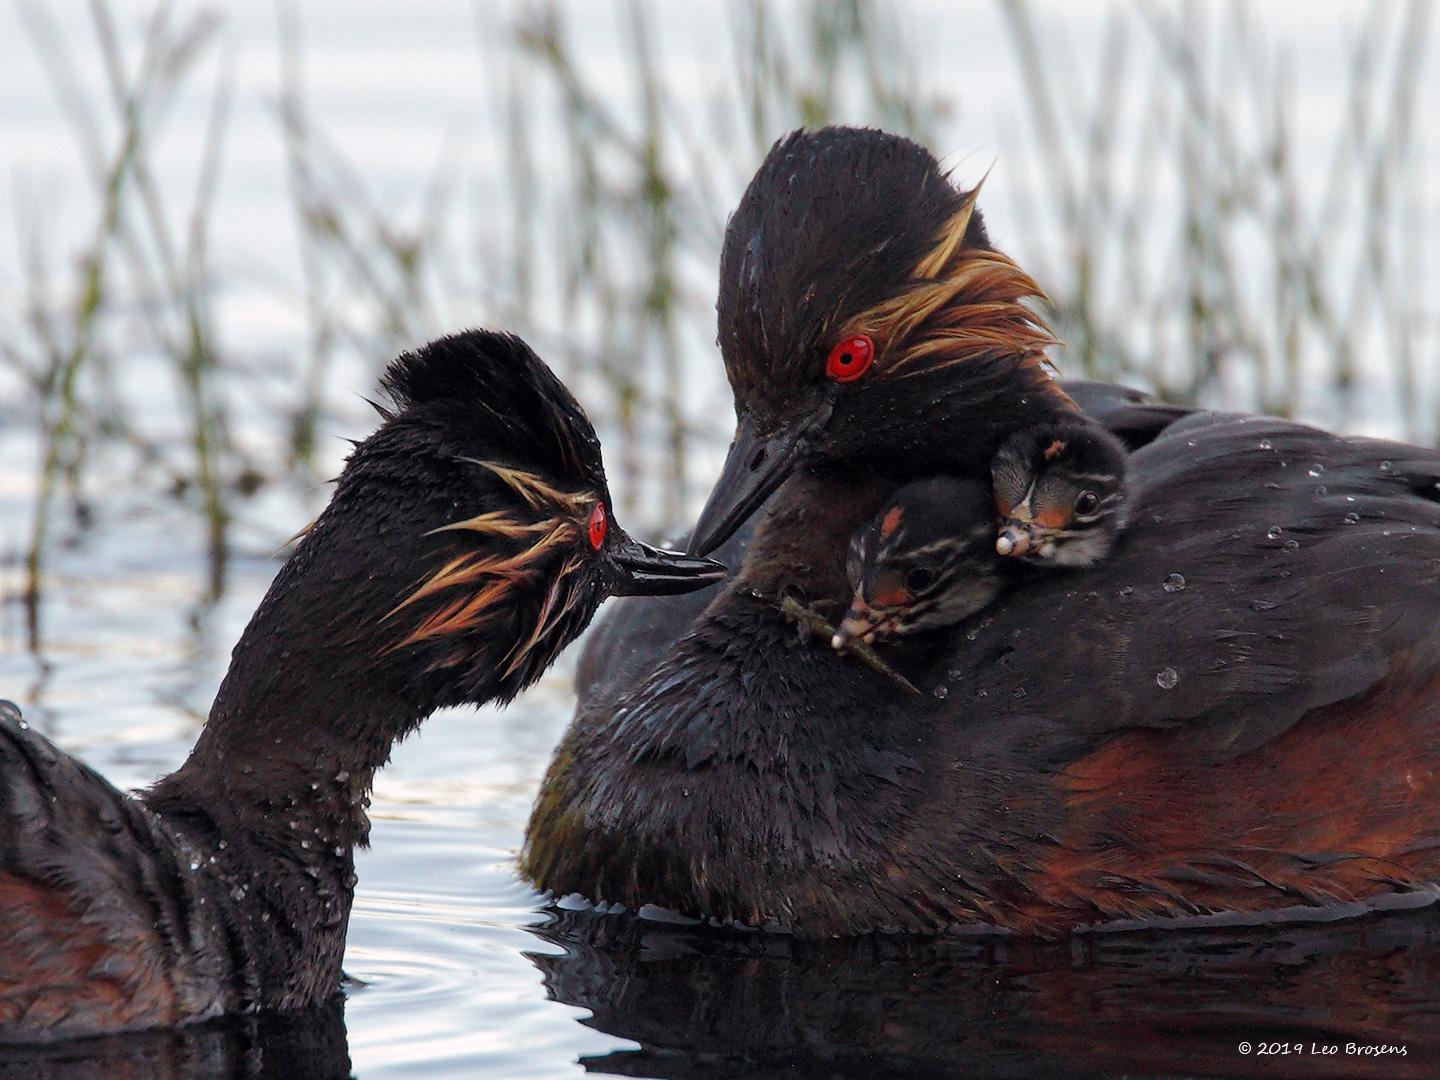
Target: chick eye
1087,502
919,579
597,526
850,359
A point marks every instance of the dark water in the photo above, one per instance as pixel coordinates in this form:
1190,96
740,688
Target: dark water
1152,1005
1356,999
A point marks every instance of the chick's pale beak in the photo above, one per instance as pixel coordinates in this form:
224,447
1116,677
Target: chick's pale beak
1015,538
859,624
641,570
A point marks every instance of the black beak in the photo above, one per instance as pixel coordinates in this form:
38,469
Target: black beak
755,466
641,570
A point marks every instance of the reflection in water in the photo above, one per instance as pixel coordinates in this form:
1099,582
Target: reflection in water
1172,1003
310,1046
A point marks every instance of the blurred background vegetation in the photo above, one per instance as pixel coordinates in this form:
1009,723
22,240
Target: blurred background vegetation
1217,214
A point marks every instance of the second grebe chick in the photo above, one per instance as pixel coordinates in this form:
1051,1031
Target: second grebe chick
925,560
1060,493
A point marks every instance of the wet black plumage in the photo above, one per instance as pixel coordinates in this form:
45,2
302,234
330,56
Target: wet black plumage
1234,715
1133,417
457,557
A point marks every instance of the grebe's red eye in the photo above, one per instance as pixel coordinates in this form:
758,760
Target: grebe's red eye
850,359
597,526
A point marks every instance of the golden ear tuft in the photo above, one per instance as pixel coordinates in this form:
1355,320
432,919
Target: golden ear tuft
559,601
535,490
476,586
304,532
952,235
962,304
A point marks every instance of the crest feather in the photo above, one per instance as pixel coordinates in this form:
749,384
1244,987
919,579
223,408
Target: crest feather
952,235
500,385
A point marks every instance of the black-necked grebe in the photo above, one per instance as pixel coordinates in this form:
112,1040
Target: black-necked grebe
1235,715
468,541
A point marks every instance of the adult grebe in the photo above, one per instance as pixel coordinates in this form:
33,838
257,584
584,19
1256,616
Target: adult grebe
468,541
1235,715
